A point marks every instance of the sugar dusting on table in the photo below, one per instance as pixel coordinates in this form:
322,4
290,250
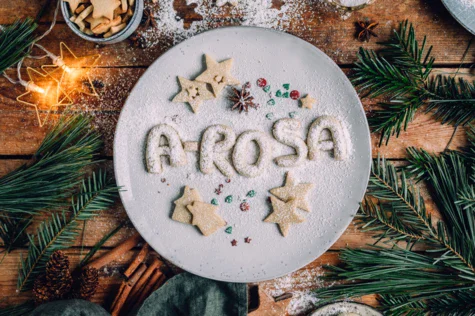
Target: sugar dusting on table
291,15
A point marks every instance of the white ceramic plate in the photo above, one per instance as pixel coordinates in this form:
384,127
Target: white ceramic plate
339,186
464,15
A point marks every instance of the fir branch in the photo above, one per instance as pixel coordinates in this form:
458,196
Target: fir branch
56,168
13,232
97,193
15,42
452,100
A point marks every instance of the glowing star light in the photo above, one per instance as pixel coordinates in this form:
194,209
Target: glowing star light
43,95
72,71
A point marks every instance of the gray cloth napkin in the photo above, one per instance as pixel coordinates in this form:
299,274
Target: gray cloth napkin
185,294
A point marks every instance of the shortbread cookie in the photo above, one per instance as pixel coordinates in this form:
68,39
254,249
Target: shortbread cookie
216,143
308,102
205,217
218,75
104,8
295,192
181,213
220,3
73,4
283,214
285,131
173,148
193,92
339,138
241,150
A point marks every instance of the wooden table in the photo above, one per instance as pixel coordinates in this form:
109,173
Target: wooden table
121,65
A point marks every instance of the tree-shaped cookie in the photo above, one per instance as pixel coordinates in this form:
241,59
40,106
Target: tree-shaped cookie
193,92
181,213
283,214
218,75
205,217
292,191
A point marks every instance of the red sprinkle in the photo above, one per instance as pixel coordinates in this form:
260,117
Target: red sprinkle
245,206
221,186
262,82
218,191
295,95
234,243
164,180
228,180
247,240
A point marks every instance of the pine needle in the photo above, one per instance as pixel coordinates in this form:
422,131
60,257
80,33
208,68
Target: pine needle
97,193
99,244
54,171
15,42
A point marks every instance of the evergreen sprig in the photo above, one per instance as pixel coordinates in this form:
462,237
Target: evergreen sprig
96,193
402,73
54,170
15,42
441,278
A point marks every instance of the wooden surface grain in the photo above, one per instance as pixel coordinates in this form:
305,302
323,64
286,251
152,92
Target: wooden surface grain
121,65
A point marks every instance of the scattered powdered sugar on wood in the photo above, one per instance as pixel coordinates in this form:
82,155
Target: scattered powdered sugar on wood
263,13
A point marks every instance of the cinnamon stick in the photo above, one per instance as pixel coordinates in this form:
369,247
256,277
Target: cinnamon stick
139,258
133,296
116,253
147,289
124,294
159,282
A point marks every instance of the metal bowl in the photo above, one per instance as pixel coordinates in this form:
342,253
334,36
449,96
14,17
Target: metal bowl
118,37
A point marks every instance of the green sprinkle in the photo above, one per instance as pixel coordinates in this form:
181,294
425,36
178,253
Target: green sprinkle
293,114
285,95
228,199
271,102
266,88
214,202
278,93
229,230
270,116
251,193
286,86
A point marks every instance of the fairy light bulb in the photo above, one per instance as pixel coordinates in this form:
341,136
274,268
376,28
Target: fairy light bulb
32,87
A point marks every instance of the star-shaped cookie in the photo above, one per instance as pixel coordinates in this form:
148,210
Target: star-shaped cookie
193,92
283,214
104,8
220,3
218,75
205,217
181,213
308,102
292,191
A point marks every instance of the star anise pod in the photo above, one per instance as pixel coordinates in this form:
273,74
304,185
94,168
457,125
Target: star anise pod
148,19
366,30
137,40
242,99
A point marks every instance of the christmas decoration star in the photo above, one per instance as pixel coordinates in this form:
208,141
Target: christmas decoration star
220,3
71,71
292,191
181,213
218,75
104,8
73,4
283,214
205,217
308,102
43,95
193,92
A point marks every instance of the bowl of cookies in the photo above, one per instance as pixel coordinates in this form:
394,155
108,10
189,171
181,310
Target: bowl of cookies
103,21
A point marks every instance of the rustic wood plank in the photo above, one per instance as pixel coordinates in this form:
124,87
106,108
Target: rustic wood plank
319,24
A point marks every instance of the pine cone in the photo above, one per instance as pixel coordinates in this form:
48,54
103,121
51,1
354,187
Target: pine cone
41,292
86,285
58,276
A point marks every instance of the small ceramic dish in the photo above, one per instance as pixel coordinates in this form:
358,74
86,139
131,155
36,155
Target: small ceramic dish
132,25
